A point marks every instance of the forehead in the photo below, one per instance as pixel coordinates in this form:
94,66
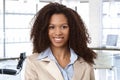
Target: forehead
58,18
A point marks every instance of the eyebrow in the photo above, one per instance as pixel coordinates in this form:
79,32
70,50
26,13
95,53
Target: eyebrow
61,24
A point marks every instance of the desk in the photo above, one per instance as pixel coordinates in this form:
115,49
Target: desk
102,48
14,58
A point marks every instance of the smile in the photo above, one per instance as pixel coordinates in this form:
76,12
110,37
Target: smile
58,39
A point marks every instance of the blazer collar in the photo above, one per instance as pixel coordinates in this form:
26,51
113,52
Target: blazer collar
54,70
78,69
51,66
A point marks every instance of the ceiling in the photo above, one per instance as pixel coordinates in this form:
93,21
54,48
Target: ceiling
75,0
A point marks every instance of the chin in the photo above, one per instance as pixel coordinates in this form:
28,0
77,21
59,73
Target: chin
58,45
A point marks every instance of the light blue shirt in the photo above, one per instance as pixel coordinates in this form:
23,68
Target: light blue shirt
66,72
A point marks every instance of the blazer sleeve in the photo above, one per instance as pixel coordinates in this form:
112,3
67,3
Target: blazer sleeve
29,70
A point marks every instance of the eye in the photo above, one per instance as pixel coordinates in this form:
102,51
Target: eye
51,27
64,26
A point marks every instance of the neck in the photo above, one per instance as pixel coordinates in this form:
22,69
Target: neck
62,55
60,52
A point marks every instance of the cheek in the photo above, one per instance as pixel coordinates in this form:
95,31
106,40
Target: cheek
67,34
49,34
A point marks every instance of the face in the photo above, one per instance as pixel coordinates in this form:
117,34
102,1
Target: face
58,30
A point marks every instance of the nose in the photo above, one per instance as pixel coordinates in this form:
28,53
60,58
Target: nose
58,31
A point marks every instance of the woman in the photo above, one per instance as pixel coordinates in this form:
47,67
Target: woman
60,49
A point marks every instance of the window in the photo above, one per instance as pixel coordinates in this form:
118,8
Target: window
15,26
111,18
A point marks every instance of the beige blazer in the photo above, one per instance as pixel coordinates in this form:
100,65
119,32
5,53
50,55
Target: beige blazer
46,69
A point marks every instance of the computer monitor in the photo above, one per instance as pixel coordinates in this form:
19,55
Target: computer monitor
111,40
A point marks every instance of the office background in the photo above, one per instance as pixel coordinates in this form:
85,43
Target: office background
100,16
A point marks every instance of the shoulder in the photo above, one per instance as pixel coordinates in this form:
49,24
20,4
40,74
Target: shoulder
31,59
33,56
35,60
84,69
80,61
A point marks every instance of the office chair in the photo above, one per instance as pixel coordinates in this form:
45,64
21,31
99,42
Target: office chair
19,66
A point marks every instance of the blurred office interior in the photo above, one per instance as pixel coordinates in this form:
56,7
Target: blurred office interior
102,19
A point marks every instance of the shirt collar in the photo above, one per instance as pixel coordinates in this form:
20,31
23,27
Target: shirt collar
73,56
45,54
48,54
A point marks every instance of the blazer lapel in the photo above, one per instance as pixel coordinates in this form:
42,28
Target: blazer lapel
78,70
53,70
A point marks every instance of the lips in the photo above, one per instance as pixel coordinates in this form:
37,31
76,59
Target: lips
58,39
